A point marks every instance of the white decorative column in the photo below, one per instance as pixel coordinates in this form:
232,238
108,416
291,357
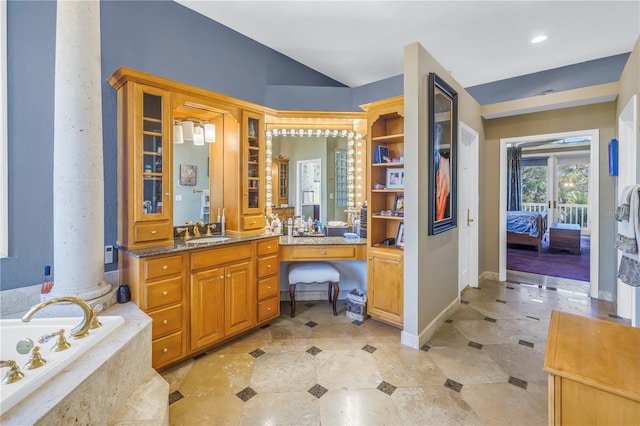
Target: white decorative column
78,181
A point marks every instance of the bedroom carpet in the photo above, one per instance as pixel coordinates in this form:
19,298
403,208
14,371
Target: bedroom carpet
559,264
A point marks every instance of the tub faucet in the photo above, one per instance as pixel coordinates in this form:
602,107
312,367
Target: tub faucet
79,331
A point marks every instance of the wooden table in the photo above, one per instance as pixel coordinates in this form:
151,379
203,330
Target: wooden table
594,371
564,236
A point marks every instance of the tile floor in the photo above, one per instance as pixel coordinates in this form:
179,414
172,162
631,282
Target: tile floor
483,366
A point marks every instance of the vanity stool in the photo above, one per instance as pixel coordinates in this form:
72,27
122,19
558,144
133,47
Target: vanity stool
313,273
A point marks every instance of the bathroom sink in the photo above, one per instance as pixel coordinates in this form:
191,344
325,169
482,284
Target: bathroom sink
205,240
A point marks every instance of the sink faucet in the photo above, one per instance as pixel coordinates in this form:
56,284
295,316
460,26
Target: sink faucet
79,331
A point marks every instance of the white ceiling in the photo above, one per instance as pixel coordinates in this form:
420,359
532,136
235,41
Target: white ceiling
359,42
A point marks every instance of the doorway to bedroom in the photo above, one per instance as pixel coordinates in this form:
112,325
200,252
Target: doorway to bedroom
555,185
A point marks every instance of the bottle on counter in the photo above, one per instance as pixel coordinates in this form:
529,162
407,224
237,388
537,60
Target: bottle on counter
47,284
290,227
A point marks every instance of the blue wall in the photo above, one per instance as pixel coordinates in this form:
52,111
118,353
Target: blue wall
195,51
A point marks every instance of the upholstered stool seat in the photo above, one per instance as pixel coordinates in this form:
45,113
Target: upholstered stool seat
313,273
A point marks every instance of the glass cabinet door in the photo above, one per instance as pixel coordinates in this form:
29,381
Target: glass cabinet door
254,173
153,169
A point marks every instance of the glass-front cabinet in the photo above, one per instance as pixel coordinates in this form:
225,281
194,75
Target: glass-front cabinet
253,164
144,152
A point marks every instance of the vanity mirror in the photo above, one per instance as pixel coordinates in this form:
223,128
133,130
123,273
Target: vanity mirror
325,172
197,134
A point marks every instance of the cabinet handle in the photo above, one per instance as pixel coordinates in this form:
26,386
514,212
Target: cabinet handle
268,287
268,266
269,247
165,350
165,267
324,252
253,223
229,276
166,194
268,309
154,232
164,293
222,277
371,258
165,321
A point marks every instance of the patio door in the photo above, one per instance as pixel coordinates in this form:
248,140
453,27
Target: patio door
568,189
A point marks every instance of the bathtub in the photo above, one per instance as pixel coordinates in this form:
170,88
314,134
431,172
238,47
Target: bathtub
13,330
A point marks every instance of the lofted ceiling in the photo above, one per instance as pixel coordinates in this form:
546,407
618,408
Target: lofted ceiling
479,42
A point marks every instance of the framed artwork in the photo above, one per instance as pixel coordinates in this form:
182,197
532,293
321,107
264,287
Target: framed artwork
443,144
398,205
188,175
395,179
613,157
400,236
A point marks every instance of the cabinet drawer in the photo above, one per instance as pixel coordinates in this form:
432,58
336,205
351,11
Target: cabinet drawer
252,222
207,258
320,252
163,293
166,349
153,231
269,246
166,321
162,267
268,266
268,287
268,309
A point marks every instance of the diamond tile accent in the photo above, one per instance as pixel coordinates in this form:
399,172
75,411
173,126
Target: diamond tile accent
311,324
317,391
246,394
552,288
533,318
257,353
464,302
489,319
369,348
314,351
200,355
453,385
309,305
387,388
357,322
425,348
449,321
475,345
510,288
525,343
518,382
175,396
501,301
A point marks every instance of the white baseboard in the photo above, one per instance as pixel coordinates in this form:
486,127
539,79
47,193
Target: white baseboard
416,342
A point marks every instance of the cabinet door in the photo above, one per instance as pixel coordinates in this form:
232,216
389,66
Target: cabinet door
152,159
253,178
385,272
207,307
239,297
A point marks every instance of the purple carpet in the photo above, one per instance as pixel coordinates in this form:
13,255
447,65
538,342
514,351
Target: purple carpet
558,264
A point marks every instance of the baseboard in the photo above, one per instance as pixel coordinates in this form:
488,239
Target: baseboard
606,295
488,275
416,342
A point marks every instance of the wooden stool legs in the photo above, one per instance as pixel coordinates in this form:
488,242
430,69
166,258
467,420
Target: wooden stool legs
333,298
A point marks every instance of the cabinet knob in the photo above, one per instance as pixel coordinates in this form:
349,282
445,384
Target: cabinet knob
324,252
268,266
371,258
164,293
268,247
166,194
165,350
253,223
165,267
165,321
268,287
268,309
222,277
228,275
154,232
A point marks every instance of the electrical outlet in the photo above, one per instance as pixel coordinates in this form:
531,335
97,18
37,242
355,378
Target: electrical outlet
108,255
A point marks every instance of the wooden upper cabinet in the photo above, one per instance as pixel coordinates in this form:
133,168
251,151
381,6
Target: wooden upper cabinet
253,159
144,165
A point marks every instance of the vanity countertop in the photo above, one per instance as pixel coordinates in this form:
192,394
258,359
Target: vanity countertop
180,245
319,241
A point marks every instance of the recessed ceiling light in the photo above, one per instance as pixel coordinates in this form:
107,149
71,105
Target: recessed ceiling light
539,39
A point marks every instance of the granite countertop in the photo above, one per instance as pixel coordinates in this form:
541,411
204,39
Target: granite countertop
327,241
180,244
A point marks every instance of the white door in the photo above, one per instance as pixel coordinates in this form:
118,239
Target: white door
467,208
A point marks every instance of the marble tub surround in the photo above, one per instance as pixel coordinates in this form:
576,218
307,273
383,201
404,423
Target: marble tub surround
482,366
100,383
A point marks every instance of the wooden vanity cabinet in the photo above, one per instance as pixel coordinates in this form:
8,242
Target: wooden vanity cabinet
223,298
385,280
156,285
144,165
268,287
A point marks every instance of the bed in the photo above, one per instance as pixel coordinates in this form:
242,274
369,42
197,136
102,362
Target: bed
526,228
